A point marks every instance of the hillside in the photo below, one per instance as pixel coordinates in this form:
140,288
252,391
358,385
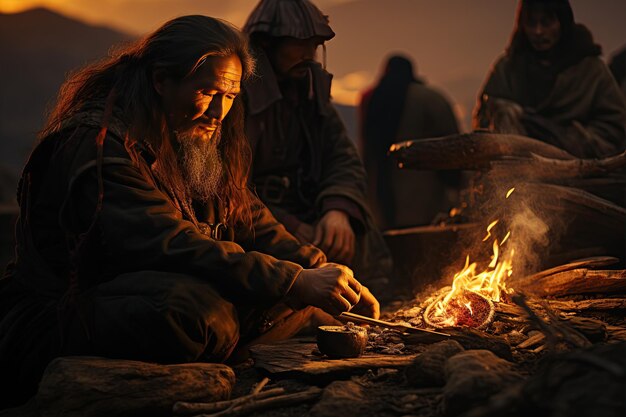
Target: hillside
38,48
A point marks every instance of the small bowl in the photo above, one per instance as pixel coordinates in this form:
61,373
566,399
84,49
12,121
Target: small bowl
341,341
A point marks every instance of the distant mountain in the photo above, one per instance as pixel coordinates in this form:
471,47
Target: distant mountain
38,48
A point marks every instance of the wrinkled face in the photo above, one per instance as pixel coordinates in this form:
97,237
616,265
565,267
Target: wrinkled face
291,57
542,29
197,104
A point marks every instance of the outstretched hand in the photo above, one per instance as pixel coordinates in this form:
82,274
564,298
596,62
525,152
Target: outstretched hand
333,288
334,235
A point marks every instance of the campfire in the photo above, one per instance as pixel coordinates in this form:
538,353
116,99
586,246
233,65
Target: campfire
470,299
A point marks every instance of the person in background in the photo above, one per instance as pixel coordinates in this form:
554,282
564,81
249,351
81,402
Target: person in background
305,168
402,107
552,85
138,237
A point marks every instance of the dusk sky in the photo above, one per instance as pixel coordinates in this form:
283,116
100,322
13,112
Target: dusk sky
453,42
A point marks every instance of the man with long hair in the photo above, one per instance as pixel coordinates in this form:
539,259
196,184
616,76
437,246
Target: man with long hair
552,85
138,237
305,168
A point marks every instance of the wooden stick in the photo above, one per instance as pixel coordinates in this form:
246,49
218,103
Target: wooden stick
183,408
258,387
269,403
347,316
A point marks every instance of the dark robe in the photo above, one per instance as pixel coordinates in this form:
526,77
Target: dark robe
142,279
305,164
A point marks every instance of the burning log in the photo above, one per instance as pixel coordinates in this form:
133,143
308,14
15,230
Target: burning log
472,151
89,386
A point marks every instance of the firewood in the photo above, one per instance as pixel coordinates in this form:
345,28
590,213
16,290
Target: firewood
91,386
183,408
594,304
272,403
537,167
592,262
469,151
576,281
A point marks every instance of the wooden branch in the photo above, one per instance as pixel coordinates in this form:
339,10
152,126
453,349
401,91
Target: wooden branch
577,281
269,403
596,304
537,167
592,262
470,151
183,408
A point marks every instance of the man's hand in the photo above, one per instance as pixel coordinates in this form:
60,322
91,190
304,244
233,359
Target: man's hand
334,289
368,304
334,235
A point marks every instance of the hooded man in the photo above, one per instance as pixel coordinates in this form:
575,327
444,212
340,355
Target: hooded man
305,168
138,237
551,85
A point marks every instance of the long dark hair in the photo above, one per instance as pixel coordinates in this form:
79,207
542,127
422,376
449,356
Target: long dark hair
382,115
125,78
575,43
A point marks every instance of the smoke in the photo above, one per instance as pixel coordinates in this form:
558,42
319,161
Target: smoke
529,239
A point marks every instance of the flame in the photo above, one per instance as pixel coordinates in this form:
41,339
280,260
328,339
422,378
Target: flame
490,283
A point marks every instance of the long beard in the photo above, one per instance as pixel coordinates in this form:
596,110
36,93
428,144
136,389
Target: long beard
201,163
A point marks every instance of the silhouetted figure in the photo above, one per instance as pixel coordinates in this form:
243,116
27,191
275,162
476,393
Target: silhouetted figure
402,107
138,237
551,85
305,167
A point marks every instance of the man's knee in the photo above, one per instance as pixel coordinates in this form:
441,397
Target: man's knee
163,317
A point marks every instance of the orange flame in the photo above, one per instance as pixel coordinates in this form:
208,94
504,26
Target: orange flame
489,283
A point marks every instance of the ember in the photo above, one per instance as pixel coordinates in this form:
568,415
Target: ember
467,308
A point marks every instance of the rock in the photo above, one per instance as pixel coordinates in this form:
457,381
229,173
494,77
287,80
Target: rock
427,370
474,376
91,386
341,398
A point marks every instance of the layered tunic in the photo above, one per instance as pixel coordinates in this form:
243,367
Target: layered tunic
131,274
305,164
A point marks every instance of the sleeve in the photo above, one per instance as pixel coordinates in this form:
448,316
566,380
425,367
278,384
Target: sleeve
269,236
142,230
495,85
342,172
603,132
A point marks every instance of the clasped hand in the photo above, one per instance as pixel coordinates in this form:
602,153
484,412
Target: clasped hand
333,288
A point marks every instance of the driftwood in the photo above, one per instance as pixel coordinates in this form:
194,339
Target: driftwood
90,386
471,151
295,357
592,262
577,281
548,169
595,304
183,408
571,203
271,403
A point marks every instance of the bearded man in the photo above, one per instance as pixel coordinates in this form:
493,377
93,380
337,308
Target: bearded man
138,237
